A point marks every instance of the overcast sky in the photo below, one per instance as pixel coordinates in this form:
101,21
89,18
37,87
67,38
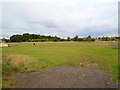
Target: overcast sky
62,18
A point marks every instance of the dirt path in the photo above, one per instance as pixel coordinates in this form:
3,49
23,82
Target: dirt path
65,77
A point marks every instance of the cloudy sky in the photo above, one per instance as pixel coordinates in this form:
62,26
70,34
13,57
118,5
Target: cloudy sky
62,18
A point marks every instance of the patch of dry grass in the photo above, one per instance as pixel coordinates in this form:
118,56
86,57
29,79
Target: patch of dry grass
115,45
89,64
3,45
8,83
15,62
98,43
18,60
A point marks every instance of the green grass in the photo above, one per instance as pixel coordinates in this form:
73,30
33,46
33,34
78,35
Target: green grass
46,56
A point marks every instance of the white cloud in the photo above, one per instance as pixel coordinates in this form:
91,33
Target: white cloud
58,0
61,17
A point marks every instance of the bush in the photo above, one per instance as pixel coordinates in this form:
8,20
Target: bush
55,40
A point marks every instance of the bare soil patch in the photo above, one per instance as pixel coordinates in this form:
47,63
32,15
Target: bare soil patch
65,77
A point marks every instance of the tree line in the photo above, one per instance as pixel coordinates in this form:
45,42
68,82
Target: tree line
26,37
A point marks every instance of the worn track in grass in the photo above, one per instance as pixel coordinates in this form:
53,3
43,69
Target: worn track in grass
65,77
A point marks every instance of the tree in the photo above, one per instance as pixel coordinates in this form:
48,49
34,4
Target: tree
16,38
75,38
26,37
68,39
80,39
99,38
89,38
93,39
62,39
105,38
30,37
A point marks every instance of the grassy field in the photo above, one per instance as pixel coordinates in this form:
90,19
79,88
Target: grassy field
25,57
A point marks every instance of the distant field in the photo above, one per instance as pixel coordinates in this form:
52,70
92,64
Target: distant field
26,57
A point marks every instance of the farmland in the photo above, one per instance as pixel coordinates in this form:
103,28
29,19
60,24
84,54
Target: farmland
26,57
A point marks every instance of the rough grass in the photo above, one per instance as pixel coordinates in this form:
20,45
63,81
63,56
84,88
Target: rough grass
44,55
8,83
16,62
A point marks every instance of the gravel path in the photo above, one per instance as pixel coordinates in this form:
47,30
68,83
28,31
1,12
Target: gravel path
65,77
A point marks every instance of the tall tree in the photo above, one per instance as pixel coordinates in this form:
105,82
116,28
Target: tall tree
89,38
75,38
68,39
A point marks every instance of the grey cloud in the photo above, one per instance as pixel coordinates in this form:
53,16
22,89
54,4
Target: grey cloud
62,18
46,24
